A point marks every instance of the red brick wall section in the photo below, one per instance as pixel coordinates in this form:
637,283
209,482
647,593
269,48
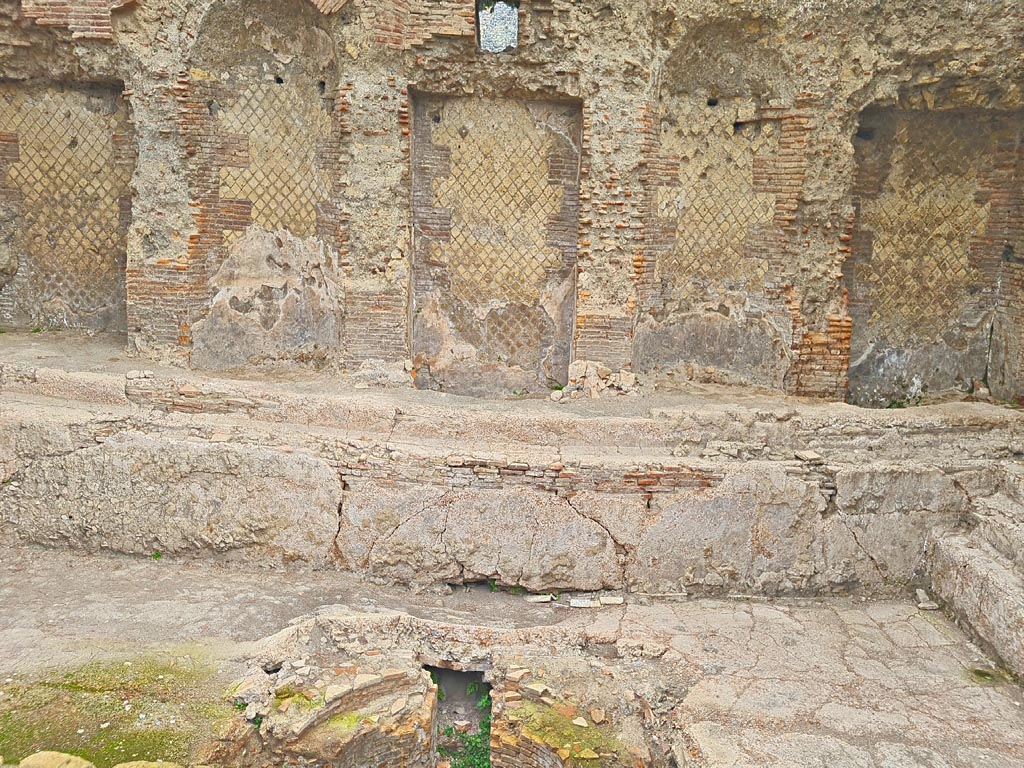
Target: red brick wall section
510,749
87,19
382,750
525,754
605,339
329,6
375,325
408,24
90,19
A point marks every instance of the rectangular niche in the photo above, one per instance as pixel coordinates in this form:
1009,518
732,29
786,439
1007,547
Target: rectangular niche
933,193
269,174
66,163
495,219
711,306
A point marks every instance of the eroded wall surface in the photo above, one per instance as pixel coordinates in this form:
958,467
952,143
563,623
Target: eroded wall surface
722,228
495,214
66,162
267,137
925,277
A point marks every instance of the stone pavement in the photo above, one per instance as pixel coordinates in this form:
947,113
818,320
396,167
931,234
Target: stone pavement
829,682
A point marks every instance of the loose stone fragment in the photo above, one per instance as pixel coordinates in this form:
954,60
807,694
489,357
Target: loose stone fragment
54,760
810,457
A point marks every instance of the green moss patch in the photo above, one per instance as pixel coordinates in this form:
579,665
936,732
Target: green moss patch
347,723
146,708
983,676
288,698
549,726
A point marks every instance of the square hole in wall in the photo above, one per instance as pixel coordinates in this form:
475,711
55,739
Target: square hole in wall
497,24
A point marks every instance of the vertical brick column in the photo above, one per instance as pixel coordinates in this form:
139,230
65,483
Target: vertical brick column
1006,227
376,267
611,236
658,171
821,352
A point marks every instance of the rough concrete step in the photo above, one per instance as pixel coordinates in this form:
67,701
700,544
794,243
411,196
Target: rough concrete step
985,591
1001,526
1013,484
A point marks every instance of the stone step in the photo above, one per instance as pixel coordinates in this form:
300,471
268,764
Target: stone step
985,591
1013,484
720,424
1001,526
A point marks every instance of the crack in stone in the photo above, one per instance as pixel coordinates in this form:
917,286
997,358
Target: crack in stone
862,548
336,553
367,561
622,552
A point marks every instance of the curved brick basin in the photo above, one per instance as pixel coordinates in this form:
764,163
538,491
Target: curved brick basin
656,682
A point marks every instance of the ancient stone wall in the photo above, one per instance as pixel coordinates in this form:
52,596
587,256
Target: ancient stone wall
684,189
495,213
934,204
66,161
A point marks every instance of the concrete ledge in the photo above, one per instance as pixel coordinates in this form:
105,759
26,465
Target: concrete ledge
986,593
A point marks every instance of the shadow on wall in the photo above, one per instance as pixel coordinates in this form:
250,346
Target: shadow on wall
928,283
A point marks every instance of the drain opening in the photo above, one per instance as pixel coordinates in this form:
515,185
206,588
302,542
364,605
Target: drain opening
463,718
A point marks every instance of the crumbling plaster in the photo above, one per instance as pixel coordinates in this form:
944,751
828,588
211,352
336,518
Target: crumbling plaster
816,65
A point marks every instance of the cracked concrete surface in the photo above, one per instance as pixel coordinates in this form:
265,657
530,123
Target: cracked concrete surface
842,683
712,492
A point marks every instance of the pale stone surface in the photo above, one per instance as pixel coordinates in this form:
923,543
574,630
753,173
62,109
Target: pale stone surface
758,521
707,493
422,535
841,683
54,760
143,495
986,591
278,299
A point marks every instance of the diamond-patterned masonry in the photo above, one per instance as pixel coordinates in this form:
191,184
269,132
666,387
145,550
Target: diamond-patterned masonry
495,208
65,187
283,188
924,277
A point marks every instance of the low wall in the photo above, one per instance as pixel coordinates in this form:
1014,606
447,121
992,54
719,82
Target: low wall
767,498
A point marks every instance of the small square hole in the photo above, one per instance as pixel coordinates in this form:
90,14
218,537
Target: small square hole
497,24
